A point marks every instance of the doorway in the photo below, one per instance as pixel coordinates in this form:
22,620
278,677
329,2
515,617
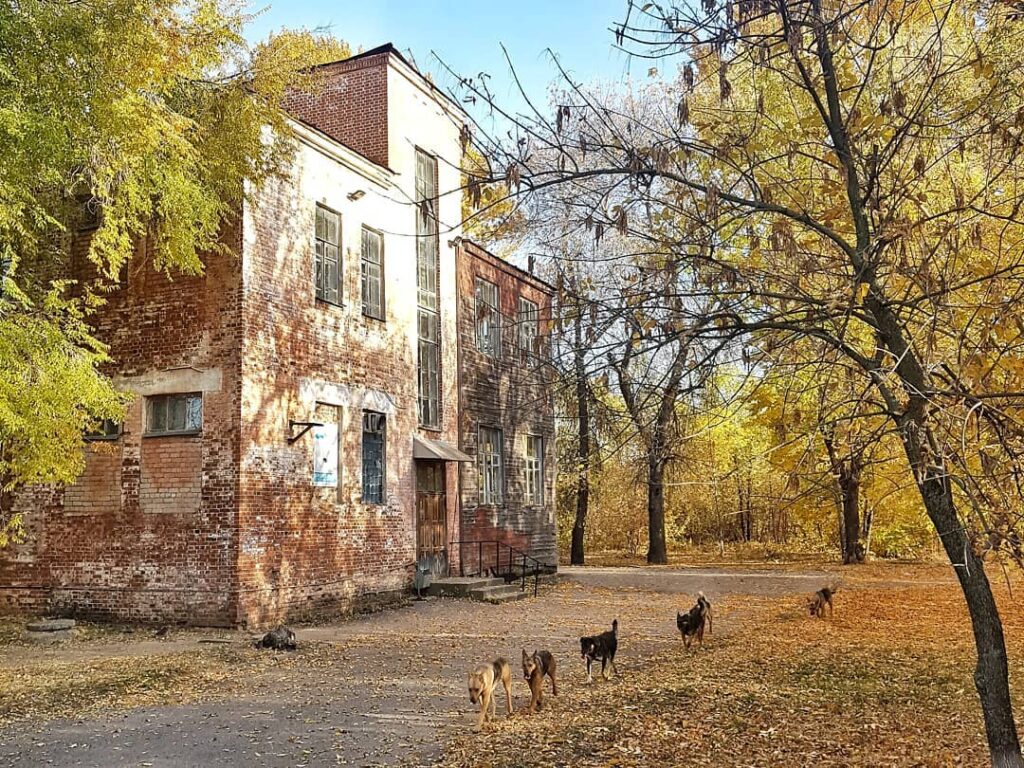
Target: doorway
431,517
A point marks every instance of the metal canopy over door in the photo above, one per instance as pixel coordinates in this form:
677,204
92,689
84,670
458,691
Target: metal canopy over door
431,517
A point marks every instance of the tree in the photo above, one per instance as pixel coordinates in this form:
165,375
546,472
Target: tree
848,174
149,119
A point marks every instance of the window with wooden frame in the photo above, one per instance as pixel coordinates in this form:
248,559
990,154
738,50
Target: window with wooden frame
488,323
427,299
104,429
533,489
528,328
178,414
373,273
491,468
328,254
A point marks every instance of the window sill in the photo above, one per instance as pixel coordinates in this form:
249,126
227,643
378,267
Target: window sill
329,303
187,433
428,428
368,316
102,439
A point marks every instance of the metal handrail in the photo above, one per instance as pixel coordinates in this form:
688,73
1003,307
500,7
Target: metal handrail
513,553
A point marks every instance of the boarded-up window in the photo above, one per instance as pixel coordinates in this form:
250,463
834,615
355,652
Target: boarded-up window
488,325
373,457
373,274
328,255
490,469
174,414
534,465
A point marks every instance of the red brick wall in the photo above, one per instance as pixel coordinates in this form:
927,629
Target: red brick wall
349,104
513,394
306,549
171,475
149,531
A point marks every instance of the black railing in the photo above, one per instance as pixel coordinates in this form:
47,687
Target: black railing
518,565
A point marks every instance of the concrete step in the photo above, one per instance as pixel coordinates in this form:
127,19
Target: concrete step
461,586
498,594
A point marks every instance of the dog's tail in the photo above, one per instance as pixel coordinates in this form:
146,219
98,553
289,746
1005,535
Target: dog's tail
615,627
705,605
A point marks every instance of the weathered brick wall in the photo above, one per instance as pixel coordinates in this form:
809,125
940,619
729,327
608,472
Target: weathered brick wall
513,393
349,104
308,549
227,527
148,532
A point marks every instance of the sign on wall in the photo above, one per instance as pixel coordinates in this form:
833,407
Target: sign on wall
325,455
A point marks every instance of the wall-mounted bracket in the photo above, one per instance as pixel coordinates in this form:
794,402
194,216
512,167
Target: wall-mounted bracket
306,426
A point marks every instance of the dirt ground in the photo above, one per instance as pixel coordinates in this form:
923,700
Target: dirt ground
886,682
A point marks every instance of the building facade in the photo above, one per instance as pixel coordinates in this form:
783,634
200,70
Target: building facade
307,414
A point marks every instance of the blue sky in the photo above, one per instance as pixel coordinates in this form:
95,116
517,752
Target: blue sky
468,35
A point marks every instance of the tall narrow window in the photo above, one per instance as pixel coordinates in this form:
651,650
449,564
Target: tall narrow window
328,255
373,457
427,277
528,327
488,325
373,274
491,471
534,464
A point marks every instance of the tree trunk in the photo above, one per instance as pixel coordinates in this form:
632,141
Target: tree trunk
991,674
657,552
849,484
576,555
866,521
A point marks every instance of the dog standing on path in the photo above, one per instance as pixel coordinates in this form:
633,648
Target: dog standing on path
483,679
534,668
601,647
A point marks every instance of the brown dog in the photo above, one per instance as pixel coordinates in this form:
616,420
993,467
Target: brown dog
534,668
482,682
816,604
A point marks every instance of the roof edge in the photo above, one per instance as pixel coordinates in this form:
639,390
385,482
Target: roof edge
529,277
390,50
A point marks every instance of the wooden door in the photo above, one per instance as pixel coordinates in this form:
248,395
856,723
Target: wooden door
431,517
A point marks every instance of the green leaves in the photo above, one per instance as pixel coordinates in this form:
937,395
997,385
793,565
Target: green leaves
153,113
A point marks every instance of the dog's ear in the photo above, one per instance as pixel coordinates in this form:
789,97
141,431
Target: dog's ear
524,654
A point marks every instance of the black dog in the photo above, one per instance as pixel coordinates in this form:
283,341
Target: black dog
601,647
691,624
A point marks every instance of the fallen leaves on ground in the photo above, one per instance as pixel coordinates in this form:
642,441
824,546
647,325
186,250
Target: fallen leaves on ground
886,682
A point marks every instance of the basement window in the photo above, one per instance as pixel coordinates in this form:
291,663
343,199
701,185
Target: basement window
104,429
174,414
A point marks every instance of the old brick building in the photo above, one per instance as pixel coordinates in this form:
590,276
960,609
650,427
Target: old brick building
309,414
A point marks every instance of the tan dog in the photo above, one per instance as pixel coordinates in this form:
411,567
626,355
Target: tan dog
534,668
823,597
482,682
